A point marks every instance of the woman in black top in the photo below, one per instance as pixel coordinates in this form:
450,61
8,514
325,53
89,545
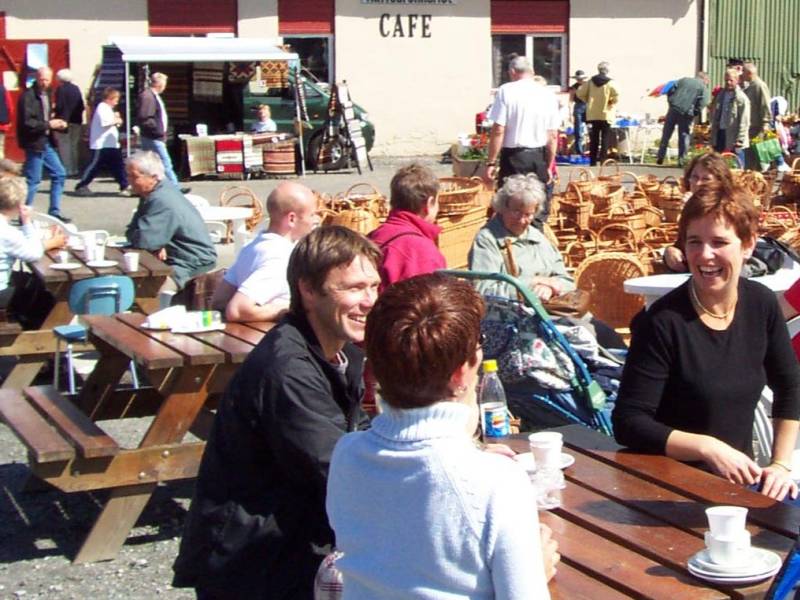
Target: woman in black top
701,355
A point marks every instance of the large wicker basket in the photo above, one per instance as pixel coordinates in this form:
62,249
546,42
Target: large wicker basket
366,195
605,174
584,182
603,276
790,184
458,233
458,195
575,209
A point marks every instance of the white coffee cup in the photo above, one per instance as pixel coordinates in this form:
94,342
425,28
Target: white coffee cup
63,256
100,252
726,522
731,551
131,260
165,299
546,448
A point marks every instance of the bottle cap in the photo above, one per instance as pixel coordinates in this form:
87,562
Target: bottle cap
490,366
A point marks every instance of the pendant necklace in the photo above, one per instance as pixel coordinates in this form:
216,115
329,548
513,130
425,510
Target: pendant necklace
699,305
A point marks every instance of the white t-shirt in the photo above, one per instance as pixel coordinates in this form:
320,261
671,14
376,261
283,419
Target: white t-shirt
527,110
259,271
103,132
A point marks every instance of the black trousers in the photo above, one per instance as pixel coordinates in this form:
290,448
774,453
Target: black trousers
598,141
521,161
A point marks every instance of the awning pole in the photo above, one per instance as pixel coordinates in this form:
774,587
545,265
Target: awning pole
128,107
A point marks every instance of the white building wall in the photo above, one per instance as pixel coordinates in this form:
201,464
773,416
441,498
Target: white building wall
258,18
419,91
647,42
87,26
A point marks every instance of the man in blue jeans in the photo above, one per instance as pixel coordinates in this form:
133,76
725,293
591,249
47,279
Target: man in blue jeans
153,122
687,99
35,135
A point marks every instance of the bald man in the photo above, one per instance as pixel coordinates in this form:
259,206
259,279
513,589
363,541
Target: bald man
255,287
35,129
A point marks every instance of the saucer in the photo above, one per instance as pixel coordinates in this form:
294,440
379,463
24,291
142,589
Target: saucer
528,463
758,562
730,579
102,264
68,266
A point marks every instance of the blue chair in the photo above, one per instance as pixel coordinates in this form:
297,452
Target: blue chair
103,295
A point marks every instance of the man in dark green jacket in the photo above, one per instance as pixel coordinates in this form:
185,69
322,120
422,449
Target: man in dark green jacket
166,223
687,98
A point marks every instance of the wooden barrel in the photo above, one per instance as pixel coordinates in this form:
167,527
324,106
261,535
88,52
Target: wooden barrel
279,158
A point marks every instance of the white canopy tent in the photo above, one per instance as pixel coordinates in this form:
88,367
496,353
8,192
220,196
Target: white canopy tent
193,49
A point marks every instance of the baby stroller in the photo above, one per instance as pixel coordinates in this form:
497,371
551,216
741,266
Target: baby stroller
547,382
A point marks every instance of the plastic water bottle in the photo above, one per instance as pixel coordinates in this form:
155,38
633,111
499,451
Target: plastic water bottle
492,403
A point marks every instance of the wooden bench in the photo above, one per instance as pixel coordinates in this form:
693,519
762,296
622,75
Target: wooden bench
51,427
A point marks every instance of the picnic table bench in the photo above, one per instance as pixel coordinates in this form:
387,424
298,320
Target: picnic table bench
629,522
68,447
33,348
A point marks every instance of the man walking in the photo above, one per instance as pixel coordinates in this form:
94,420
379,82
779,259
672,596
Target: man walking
255,287
578,111
525,129
104,143
34,133
601,99
257,526
154,123
730,119
686,100
760,113
69,108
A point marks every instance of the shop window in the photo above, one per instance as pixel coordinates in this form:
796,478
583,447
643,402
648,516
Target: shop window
315,54
546,53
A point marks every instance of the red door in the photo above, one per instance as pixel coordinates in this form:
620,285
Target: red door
12,58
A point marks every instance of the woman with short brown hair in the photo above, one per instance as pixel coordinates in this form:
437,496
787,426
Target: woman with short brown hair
701,355
417,509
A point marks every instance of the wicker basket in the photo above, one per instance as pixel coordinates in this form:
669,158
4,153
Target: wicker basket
603,276
239,195
618,237
458,195
365,195
606,195
360,218
620,214
649,183
777,221
790,184
585,181
458,233
615,177
637,197
652,216
657,238
758,186
668,189
575,209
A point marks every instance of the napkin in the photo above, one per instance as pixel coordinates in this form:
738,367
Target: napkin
166,318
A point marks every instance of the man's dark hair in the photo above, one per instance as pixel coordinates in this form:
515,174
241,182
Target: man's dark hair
322,250
411,187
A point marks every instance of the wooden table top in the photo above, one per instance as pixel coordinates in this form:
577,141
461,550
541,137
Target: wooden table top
149,266
629,522
155,349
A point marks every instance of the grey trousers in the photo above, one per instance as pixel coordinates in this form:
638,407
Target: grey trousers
69,148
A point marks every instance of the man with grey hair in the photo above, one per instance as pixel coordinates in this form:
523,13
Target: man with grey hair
153,122
687,99
601,99
760,113
35,129
68,107
525,129
166,223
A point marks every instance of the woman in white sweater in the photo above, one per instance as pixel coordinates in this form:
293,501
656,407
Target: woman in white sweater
418,510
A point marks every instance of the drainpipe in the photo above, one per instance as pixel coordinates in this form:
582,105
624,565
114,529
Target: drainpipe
703,7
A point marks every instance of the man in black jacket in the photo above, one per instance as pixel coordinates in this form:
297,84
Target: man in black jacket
34,134
153,122
68,107
257,527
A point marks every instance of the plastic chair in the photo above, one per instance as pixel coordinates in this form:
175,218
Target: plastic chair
104,295
43,220
216,229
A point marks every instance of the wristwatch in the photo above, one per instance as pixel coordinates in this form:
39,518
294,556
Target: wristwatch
491,163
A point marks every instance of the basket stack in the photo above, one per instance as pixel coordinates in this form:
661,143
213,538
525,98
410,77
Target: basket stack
458,195
790,184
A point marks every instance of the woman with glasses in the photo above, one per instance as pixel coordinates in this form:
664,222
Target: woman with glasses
418,510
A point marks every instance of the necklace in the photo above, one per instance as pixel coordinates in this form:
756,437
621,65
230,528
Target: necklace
699,305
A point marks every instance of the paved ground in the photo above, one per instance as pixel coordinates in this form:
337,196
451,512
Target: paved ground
41,530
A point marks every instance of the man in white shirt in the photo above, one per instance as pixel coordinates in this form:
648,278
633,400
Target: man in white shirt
255,287
104,143
525,130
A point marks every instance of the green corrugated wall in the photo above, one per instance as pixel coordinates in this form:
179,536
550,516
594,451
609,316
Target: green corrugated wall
766,31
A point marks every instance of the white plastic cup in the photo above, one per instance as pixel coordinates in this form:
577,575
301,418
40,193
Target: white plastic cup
63,256
131,260
546,448
728,552
201,129
100,252
726,522
165,299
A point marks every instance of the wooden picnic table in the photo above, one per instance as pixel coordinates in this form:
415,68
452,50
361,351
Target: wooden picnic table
33,348
69,450
629,522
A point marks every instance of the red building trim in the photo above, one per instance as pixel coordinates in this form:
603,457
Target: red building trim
192,17
530,16
309,16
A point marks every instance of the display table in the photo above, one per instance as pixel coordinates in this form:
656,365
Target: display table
238,155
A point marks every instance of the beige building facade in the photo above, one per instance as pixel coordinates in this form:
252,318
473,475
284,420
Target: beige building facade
423,68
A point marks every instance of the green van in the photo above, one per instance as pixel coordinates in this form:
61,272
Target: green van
282,105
